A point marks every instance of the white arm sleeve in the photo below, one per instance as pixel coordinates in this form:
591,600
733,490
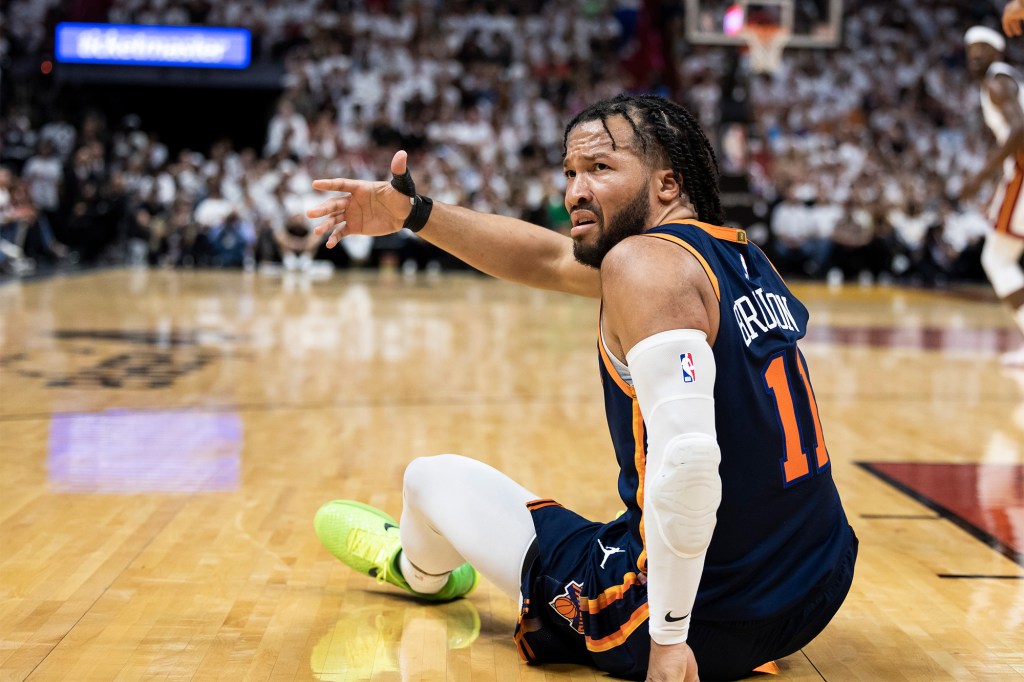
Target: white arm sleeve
673,373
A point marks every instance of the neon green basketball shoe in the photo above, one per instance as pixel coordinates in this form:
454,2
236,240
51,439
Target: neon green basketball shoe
366,539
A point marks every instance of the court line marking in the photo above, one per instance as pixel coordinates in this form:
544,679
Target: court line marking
985,537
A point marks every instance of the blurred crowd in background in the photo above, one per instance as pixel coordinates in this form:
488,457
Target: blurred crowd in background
855,160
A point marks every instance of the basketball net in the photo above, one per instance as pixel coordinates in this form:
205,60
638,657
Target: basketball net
765,43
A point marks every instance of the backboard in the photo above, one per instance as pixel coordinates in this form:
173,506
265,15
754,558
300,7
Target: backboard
810,23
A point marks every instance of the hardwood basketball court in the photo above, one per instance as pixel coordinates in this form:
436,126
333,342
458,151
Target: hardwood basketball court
166,437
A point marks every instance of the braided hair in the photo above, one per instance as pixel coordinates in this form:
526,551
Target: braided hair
667,134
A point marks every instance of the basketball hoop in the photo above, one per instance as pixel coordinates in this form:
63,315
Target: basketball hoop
765,43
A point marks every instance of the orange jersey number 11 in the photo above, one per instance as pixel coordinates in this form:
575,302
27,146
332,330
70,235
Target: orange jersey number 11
797,457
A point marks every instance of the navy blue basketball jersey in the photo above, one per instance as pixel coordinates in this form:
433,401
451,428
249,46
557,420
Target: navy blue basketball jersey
781,528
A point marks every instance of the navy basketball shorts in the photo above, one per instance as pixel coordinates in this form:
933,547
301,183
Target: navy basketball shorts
585,602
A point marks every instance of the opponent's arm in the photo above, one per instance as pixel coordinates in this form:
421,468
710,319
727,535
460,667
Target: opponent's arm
659,309
500,246
1003,92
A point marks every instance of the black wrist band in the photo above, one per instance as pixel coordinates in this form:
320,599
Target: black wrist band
404,183
421,207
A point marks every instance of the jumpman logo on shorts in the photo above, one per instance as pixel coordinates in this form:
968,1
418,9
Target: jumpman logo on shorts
608,551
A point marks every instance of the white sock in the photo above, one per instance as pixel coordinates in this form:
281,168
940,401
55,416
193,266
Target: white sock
424,583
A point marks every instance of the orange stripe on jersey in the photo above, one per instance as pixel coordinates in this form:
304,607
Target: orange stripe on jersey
533,505
1010,198
640,462
523,647
612,372
609,596
696,254
622,634
523,626
729,234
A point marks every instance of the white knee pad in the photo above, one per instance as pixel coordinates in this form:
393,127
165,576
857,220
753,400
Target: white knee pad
425,475
685,493
1001,259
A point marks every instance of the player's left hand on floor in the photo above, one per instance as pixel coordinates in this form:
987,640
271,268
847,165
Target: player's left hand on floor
672,663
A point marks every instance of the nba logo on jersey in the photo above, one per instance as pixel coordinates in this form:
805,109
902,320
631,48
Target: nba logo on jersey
689,371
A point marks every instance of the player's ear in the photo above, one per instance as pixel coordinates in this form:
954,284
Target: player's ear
667,185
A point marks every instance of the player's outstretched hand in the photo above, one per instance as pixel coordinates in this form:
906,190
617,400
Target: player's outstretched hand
362,207
1013,15
671,663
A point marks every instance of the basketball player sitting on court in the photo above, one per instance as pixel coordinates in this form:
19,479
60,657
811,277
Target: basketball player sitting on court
1002,104
734,549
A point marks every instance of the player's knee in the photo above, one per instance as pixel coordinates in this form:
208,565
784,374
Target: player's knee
686,492
425,476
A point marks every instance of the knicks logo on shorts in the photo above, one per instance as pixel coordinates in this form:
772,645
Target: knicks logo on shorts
567,605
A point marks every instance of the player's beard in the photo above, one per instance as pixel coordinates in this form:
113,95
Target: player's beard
632,219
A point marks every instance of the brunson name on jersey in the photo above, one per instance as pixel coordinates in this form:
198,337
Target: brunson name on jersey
766,311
